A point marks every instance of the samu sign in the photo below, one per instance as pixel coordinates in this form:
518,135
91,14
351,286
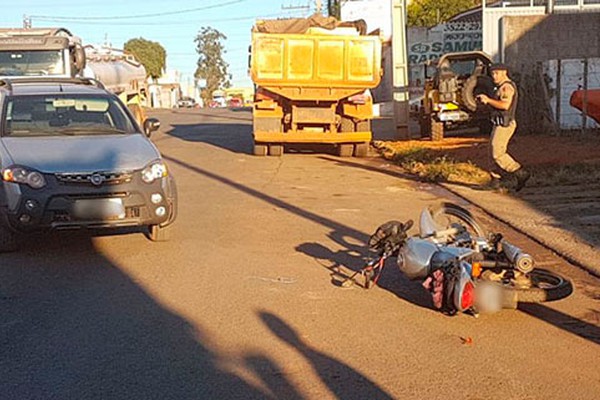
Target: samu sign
446,38
422,52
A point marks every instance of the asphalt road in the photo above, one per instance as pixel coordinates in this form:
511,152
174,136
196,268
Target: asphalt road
243,301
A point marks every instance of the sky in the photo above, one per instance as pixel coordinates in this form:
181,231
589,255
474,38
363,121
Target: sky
173,24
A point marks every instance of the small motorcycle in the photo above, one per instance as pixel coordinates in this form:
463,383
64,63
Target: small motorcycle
464,269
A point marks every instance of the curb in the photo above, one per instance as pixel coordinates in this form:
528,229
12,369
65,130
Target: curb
534,224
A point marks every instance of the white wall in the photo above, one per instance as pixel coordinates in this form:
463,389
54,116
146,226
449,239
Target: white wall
571,79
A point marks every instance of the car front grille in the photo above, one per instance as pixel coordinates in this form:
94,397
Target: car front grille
96,178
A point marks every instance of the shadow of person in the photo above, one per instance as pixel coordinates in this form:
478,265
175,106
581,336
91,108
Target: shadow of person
344,381
74,325
272,376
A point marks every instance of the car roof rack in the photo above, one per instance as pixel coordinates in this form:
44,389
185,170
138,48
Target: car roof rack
9,82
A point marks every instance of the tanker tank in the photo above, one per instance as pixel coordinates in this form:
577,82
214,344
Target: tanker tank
121,74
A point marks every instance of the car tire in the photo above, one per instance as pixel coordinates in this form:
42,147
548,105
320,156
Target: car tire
8,240
157,233
474,86
437,130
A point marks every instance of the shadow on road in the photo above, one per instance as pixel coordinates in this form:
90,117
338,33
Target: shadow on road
342,380
339,234
234,137
565,322
74,326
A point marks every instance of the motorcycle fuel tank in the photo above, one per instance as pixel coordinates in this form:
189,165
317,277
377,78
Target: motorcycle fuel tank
414,258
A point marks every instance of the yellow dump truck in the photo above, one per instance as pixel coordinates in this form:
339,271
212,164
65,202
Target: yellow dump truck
312,78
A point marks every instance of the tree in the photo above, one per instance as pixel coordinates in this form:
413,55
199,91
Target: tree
151,54
432,12
211,66
334,8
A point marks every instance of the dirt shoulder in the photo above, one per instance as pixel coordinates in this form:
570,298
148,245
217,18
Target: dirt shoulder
559,207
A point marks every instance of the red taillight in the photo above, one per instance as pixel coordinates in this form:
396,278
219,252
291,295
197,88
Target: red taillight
466,300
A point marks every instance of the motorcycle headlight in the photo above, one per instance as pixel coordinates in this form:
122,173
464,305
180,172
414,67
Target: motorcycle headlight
24,175
154,171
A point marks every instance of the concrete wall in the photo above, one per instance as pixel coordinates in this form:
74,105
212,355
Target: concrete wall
538,38
532,46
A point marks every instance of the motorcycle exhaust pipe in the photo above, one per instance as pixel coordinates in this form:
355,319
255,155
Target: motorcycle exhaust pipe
521,260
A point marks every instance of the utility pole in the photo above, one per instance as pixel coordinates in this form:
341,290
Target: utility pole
26,22
319,6
400,68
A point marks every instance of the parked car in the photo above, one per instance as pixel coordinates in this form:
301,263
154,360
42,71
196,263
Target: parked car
72,156
235,102
450,98
186,102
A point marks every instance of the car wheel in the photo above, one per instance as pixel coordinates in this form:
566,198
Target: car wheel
437,130
157,233
8,240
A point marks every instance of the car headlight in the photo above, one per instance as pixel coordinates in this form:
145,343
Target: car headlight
154,171
25,176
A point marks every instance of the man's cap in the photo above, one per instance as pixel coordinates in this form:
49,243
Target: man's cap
499,67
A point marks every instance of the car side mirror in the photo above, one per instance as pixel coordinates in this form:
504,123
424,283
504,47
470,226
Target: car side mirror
151,125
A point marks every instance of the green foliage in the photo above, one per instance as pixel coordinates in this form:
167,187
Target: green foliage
432,12
211,66
151,54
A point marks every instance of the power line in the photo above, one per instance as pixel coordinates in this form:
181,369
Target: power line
58,18
162,23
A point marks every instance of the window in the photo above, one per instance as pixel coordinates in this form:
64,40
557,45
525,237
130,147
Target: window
64,115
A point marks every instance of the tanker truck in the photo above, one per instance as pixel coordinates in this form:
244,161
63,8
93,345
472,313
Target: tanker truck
121,74
27,52
56,52
312,78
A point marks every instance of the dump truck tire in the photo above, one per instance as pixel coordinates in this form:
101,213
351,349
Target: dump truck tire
276,150
363,126
347,125
260,149
345,150
361,149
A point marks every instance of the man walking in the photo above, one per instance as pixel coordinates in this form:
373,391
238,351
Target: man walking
505,123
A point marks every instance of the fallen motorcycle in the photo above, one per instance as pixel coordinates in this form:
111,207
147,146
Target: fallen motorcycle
464,269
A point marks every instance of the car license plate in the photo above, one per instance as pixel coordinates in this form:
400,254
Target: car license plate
450,116
103,209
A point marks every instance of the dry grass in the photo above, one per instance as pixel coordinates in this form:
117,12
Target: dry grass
466,160
432,163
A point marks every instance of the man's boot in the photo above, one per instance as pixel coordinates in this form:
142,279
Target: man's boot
522,176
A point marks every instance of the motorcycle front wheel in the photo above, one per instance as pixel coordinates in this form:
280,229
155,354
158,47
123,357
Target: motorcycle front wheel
538,286
545,286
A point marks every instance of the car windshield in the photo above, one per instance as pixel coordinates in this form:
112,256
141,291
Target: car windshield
55,115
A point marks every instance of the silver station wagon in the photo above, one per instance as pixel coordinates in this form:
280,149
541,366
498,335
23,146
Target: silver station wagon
72,156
